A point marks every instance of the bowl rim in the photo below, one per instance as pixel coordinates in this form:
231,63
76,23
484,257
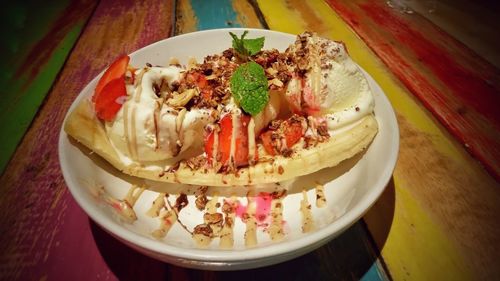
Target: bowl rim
317,237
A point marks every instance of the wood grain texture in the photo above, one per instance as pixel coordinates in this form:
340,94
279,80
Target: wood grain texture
454,201
438,219
46,236
36,40
43,231
193,15
473,23
295,17
460,88
443,207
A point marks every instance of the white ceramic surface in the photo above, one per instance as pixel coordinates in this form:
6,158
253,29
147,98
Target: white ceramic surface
350,188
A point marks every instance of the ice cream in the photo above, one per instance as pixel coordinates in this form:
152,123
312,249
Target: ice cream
148,129
327,82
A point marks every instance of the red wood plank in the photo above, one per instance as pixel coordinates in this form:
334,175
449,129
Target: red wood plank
45,235
460,88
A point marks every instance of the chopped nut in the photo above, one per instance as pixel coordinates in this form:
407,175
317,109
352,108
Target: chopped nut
203,229
181,202
212,218
227,208
323,130
280,170
180,100
201,202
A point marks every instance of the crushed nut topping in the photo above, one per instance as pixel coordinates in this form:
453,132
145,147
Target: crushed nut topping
203,229
181,202
214,218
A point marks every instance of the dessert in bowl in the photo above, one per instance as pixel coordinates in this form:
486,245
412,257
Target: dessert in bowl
241,140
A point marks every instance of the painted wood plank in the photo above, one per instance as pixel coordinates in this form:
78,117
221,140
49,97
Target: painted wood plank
42,177
473,23
66,227
202,15
37,39
454,201
45,235
460,88
326,263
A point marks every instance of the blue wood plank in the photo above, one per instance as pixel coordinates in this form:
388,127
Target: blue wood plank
214,14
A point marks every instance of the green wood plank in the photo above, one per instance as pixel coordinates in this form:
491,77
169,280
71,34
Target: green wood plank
37,40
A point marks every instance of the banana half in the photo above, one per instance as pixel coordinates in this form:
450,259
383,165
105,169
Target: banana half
83,125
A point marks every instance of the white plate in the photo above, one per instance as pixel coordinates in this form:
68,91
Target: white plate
350,188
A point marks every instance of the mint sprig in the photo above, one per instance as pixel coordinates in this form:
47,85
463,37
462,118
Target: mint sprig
246,47
249,87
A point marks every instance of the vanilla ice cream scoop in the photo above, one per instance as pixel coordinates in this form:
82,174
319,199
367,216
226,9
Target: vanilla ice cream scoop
146,129
327,81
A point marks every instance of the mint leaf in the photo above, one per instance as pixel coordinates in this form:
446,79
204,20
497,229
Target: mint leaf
249,87
238,42
253,46
246,47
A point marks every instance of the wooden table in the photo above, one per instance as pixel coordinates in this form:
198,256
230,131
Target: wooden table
437,61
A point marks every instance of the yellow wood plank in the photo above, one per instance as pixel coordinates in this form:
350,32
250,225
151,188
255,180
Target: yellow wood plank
186,20
440,191
245,14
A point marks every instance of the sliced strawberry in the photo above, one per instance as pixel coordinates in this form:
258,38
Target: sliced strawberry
116,70
209,145
197,78
293,133
290,130
267,142
201,81
241,152
225,134
224,141
206,94
110,99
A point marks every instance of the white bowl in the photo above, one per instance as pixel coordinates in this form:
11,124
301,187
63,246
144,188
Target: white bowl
350,188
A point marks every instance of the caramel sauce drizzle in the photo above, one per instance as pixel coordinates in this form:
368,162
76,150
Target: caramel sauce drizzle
212,210
167,219
276,228
133,139
227,233
133,194
320,196
124,208
251,223
139,86
212,204
305,209
316,71
158,204
170,216
156,119
251,141
215,148
235,120
126,124
211,229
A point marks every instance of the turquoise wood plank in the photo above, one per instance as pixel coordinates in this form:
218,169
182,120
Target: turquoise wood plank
214,14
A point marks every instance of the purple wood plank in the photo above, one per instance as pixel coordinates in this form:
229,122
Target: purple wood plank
42,228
